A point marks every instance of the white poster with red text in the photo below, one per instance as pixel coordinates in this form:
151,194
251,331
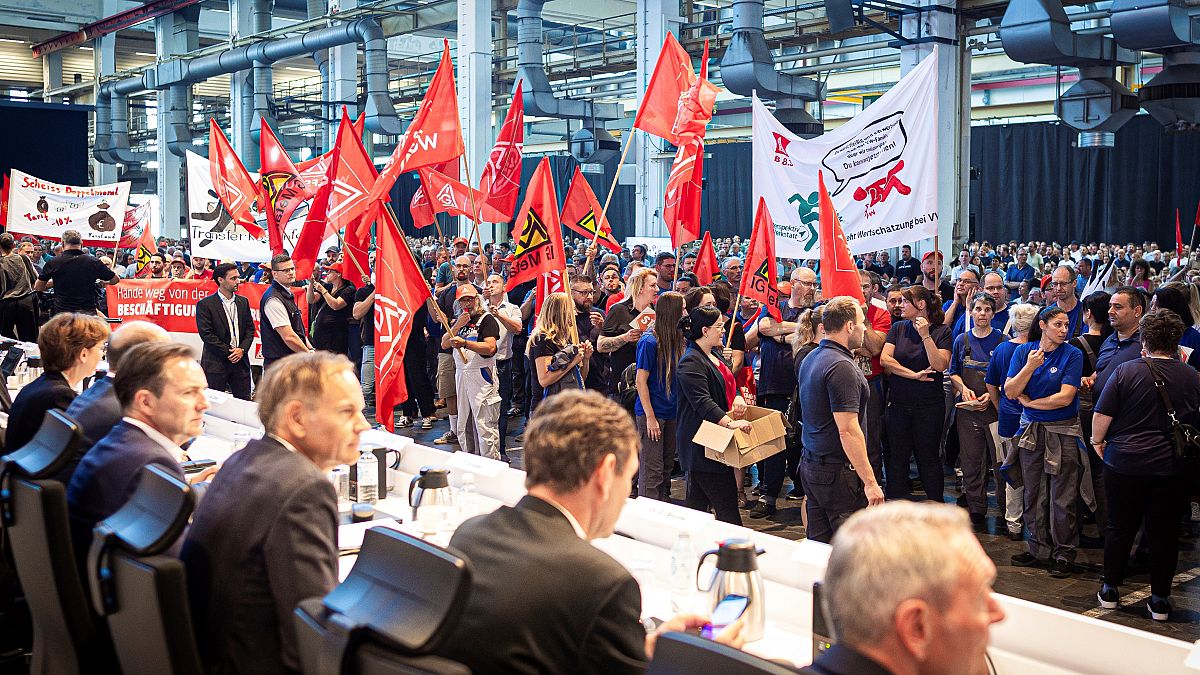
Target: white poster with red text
880,168
46,209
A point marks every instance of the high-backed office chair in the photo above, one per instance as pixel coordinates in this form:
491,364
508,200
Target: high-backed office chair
678,653
400,602
141,593
33,512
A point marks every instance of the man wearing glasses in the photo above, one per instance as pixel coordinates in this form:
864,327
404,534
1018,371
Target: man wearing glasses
993,285
731,269
1062,289
958,308
280,312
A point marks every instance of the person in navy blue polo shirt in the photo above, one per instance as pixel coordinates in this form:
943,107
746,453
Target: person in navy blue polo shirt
1044,377
1018,273
1125,310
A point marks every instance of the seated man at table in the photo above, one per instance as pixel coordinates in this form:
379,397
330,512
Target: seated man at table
543,599
265,536
908,589
161,391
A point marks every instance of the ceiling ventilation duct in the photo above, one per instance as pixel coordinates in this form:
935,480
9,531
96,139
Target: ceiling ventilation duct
1039,31
747,67
592,143
1172,96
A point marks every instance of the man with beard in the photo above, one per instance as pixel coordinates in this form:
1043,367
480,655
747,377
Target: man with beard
931,276
907,268
472,341
664,267
447,302
895,298
589,320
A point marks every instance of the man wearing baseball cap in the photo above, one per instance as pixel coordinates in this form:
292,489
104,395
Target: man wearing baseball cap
472,340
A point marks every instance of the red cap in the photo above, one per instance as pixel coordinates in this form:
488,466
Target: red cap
929,253
458,239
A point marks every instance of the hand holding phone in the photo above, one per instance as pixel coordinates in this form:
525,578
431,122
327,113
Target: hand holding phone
727,611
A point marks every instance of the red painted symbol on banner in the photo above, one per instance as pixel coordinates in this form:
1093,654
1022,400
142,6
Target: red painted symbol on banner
881,189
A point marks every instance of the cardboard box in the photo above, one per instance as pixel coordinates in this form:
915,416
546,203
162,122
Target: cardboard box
740,448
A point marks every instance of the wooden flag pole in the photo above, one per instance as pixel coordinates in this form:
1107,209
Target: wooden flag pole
612,188
732,319
474,209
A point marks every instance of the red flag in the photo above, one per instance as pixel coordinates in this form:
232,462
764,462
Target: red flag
400,290
232,183
308,244
706,261
681,203
839,274
359,124
581,209
550,282
356,262
281,187
447,195
760,280
145,248
352,176
137,221
435,135
538,236
501,180
4,202
677,104
1178,238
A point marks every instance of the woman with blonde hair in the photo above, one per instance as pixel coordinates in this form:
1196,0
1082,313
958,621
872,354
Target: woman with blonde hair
618,338
658,352
559,358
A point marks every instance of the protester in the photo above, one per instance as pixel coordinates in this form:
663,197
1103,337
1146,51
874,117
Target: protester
447,302
1097,329
1125,309
589,322
472,338
18,316
560,359
878,323
330,304
226,328
658,353
508,316
619,337
74,275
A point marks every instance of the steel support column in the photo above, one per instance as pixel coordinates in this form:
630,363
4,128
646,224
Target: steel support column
52,74
104,63
174,34
241,88
654,19
474,84
343,80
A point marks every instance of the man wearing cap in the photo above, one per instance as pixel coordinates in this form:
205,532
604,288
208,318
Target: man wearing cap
447,301
179,268
472,340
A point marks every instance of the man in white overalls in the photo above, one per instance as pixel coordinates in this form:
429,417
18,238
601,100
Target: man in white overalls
473,338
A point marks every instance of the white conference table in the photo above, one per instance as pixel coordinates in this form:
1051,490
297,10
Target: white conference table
1033,638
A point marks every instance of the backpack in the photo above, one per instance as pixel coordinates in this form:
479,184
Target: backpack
627,387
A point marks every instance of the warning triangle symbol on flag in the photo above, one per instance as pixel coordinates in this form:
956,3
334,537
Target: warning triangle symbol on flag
762,272
588,222
533,235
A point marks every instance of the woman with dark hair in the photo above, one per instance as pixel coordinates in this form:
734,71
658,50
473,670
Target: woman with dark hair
1142,474
707,392
1175,296
331,303
1095,317
1139,275
915,354
658,353
1044,376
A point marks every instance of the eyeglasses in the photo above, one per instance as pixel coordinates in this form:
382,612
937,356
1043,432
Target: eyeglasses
807,284
286,270
1062,284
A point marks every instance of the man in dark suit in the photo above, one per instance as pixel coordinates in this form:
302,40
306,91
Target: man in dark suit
161,390
938,621
543,599
265,536
224,323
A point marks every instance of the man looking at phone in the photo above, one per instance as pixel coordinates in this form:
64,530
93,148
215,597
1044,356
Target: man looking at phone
546,599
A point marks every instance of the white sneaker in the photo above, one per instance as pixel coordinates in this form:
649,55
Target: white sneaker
1195,512
403,422
447,438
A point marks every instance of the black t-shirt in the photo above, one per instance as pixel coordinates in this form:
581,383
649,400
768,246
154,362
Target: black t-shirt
540,345
75,274
367,330
777,373
481,327
597,377
335,319
1139,443
910,352
830,382
616,323
909,270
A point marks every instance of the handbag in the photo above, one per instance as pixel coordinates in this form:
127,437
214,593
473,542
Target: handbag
1185,437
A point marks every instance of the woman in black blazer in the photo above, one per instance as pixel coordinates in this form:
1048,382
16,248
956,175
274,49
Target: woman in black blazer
707,392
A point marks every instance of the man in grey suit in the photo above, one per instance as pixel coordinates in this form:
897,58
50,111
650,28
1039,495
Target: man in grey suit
543,599
265,536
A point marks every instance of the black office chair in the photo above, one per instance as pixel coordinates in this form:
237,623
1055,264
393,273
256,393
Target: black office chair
141,593
400,602
33,513
678,653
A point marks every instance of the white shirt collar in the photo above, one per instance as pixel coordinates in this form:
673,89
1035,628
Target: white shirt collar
157,437
570,517
289,446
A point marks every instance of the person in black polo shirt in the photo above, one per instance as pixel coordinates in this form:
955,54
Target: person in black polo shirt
73,276
837,475
618,338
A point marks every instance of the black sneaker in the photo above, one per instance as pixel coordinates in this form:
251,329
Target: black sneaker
978,519
1109,597
762,510
1027,559
1061,569
1016,535
794,495
1159,608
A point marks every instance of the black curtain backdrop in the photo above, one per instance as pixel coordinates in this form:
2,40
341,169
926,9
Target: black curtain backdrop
1032,185
46,140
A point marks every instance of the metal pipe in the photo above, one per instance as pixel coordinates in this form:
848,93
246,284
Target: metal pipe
260,73
843,65
539,99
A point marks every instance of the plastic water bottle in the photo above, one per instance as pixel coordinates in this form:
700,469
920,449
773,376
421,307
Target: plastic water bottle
368,478
340,477
683,570
468,496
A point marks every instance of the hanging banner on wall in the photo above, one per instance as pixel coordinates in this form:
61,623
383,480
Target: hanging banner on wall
46,209
880,167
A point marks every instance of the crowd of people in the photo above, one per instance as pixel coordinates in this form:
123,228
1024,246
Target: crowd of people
1034,373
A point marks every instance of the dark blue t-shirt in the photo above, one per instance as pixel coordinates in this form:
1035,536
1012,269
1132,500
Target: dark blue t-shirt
1139,443
999,321
647,359
1062,366
830,382
1018,274
909,351
776,374
997,373
1190,339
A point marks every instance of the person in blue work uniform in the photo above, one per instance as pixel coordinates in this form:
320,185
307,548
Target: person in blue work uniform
1062,289
1008,463
1044,377
1125,309
969,359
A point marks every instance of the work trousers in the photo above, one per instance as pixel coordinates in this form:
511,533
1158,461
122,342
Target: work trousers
977,454
420,386
18,319
504,371
1014,497
874,428
1085,423
714,491
1133,500
1051,502
367,374
656,460
781,464
913,431
478,411
834,492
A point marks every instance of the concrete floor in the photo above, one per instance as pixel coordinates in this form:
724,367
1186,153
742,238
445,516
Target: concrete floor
1074,594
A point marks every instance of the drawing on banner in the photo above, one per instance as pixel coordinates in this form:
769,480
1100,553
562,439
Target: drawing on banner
881,167
46,209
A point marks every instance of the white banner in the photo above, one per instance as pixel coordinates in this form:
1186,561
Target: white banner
880,168
46,209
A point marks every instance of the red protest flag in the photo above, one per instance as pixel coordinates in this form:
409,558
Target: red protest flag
547,284
681,203
839,274
232,183
400,290
1178,239
760,280
706,261
4,202
358,124
435,135
145,248
137,221
581,209
538,236
282,189
308,244
447,195
677,104
352,175
501,180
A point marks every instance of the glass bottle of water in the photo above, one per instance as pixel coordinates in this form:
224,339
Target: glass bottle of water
683,571
368,478
468,497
